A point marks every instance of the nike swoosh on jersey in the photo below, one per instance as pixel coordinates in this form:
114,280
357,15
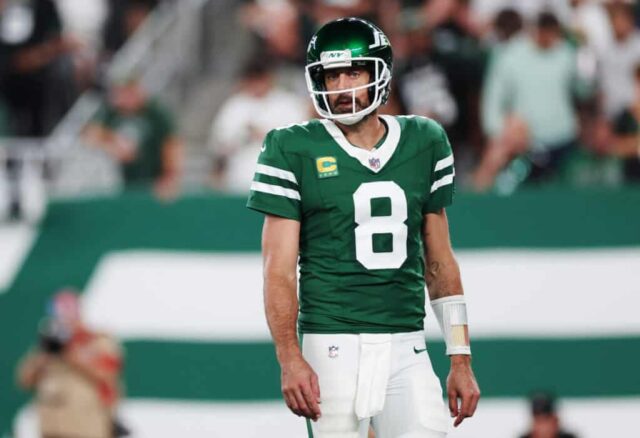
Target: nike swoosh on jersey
418,351
263,147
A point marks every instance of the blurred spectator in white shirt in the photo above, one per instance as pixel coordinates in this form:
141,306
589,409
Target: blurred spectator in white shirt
528,104
529,9
619,61
82,22
238,130
591,29
84,19
590,21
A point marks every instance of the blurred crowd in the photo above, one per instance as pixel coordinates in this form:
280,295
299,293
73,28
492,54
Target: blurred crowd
529,91
52,50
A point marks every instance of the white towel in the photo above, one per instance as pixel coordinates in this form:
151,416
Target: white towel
373,374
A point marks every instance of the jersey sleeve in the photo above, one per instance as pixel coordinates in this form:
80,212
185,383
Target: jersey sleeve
442,176
274,189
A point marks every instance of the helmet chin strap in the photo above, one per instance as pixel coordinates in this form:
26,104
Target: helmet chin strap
349,121
352,120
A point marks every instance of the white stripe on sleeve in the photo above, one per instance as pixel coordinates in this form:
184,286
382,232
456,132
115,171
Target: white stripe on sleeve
444,181
275,190
444,163
278,173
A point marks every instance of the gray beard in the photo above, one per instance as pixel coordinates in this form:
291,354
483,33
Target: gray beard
358,107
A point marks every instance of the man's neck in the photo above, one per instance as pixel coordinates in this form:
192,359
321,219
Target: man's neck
366,133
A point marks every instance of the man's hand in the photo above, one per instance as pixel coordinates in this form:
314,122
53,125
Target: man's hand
300,388
461,384
123,149
32,367
166,189
119,147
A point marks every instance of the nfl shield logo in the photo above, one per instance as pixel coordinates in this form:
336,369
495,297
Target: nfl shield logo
374,163
333,351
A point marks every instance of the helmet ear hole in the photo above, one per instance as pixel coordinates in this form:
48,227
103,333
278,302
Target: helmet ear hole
370,67
386,77
317,77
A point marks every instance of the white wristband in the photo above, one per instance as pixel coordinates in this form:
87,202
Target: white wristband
451,313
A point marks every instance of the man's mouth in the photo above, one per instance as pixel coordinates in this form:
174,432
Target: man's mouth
345,103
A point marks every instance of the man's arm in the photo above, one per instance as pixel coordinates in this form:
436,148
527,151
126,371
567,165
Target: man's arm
443,280
280,244
167,185
101,363
626,146
31,368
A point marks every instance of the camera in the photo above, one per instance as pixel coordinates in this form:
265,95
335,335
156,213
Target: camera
54,336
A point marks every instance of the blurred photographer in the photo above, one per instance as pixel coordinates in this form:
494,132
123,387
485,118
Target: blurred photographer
74,373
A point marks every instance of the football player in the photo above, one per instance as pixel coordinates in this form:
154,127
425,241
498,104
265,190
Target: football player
357,200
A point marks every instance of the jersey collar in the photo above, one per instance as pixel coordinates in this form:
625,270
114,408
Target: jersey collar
374,159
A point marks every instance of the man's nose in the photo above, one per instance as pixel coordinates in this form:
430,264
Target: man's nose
344,81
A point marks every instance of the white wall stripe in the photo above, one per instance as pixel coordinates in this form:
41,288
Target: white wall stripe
444,181
445,162
274,171
161,418
16,242
155,275
275,190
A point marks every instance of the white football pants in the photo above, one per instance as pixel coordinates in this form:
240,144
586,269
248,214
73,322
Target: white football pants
385,380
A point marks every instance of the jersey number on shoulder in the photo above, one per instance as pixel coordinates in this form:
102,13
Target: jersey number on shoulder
369,225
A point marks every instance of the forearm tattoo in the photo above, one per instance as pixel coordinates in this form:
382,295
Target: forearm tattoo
443,278
433,269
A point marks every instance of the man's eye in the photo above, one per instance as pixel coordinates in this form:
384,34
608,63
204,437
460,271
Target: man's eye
354,74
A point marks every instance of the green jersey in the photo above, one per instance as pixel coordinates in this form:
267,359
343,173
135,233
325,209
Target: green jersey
361,217
148,130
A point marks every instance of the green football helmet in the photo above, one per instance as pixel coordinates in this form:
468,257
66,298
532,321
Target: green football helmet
348,42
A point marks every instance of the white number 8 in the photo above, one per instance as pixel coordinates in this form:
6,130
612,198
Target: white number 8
369,225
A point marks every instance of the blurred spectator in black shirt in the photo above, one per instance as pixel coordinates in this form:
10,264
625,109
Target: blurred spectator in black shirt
38,81
458,49
123,19
423,86
4,120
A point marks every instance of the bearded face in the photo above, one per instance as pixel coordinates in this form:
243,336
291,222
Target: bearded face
343,79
